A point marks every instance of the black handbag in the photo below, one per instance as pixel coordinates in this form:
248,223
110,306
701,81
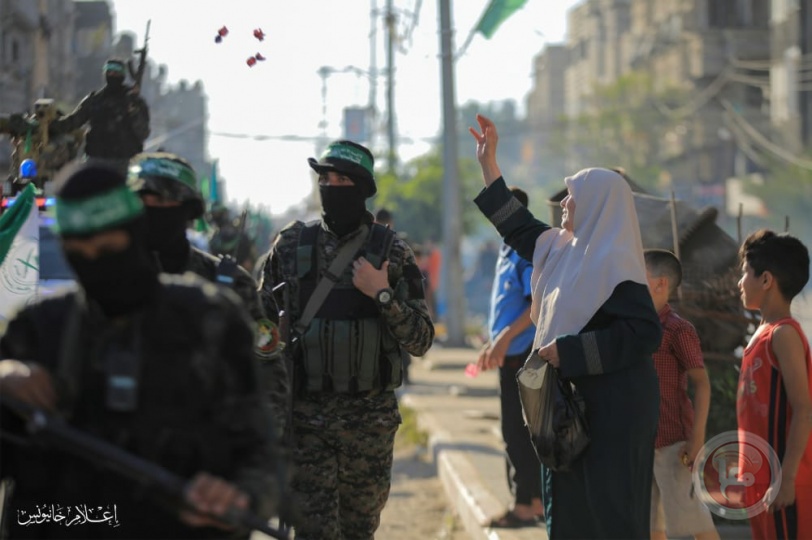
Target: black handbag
554,412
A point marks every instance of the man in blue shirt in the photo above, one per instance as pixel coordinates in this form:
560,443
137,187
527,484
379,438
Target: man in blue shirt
511,339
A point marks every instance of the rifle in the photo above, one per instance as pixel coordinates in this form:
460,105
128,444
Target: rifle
240,232
138,74
51,430
285,346
227,267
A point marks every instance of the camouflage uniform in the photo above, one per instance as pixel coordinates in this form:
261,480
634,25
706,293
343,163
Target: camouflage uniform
272,366
343,442
172,179
229,240
198,406
119,124
31,139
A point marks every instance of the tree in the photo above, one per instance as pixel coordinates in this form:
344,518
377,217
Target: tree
623,128
786,191
414,197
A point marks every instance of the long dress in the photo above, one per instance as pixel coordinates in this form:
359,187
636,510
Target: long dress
608,491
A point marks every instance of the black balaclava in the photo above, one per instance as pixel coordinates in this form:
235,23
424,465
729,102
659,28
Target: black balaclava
114,81
343,207
166,236
119,282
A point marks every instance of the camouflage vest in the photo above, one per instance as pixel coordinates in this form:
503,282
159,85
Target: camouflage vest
347,348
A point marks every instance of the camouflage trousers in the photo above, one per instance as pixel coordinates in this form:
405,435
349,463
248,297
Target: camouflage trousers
342,455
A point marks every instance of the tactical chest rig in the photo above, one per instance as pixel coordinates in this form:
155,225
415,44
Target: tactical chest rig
346,347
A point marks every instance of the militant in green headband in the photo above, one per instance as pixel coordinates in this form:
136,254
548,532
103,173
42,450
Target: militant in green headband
118,67
348,153
164,168
97,213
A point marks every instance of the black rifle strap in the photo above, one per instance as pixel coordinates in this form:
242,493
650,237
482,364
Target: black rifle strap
345,255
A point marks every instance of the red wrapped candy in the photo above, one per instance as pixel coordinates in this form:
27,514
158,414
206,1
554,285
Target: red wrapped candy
221,33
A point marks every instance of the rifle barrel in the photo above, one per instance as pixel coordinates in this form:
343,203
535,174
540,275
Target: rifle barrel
100,452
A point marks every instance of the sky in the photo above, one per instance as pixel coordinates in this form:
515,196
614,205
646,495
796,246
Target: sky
283,95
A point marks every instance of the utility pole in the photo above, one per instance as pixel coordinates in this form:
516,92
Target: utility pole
323,72
39,81
390,85
372,119
452,285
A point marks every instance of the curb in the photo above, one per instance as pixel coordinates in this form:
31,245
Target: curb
468,496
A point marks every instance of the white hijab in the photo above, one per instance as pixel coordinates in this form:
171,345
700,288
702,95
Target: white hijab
575,273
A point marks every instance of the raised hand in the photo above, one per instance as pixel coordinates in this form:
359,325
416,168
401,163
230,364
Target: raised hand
487,140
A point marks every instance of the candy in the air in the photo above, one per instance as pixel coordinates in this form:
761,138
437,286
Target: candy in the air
259,34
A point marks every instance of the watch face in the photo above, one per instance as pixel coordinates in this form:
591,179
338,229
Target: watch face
384,297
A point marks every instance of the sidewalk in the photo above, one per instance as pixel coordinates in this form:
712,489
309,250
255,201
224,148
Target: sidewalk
461,416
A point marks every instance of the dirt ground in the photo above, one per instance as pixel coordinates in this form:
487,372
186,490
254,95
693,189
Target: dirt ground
417,506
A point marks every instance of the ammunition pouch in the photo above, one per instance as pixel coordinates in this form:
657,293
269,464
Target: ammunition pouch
349,356
347,347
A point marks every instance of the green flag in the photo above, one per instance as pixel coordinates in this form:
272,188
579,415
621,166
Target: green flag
19,254
15,217
200,224
29,144
214,193
495,14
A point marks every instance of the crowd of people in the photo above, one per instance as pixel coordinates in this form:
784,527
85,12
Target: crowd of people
599,303
267,395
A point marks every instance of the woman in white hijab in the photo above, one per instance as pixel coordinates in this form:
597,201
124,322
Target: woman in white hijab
596,323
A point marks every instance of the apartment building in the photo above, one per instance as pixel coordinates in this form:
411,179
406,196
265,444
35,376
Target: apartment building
36,57
790,71
698,55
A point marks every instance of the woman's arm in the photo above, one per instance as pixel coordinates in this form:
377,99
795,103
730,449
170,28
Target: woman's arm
486,142
633,334
513,221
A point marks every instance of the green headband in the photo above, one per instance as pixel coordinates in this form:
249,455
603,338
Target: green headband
97,213
348,153
114,66
164,168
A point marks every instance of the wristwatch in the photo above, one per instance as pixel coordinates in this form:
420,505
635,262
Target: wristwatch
384,297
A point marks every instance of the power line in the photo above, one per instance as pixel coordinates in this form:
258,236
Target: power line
750,80
742,141
415,19
699,100
306,138
763,141
766,65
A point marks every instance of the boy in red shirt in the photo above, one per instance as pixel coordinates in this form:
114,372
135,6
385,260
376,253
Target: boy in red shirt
773,399
681,429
